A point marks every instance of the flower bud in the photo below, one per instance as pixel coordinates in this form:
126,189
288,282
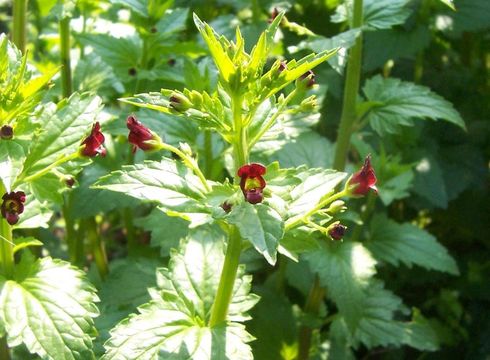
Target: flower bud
336,231
140,136
226,207
306,81
179,102
6,132
69,181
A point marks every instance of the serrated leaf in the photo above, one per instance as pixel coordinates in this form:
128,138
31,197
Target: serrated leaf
64,127
11,159
345,270
261,225
396,187
408,244
400,102
168,182
49,307
173,324
138,6
47,188
377,14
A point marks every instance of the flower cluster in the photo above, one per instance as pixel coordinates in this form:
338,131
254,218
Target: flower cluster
12,206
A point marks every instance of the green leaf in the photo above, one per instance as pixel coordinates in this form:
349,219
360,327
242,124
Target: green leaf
166,231
47,188
449,3
168,182
408,244
400,102
378,14
173,324
396,187
429,181
11,159
345,270
64,127
314,186
419,333
138,6
261,225
471,15
36,214
49,307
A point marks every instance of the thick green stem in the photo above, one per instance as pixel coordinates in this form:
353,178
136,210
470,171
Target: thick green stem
350,93
19,25
97,246
6,248
66,83
4,349
6,245
312,306
227,280
130,232
240,146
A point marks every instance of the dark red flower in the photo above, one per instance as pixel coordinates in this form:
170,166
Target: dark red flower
140,136
13,206
337,231
226,207
364,179
93,143
307,79
6,132
252,183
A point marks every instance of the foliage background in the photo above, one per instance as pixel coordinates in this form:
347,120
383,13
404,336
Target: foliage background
444,170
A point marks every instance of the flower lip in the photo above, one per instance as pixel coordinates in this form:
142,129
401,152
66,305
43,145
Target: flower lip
364,179
12,206
252,183
93,143
139,134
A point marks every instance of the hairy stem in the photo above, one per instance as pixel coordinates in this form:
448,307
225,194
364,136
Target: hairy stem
227,279
351,90
66,82
47,169
19,25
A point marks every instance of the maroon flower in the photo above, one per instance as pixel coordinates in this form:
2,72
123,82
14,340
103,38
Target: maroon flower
140,136
226,207
252,183
13,206
93,143
336,231
307,79
6,132
364,179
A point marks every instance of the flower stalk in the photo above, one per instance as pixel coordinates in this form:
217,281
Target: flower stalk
66,79
19,24
97,246
47,169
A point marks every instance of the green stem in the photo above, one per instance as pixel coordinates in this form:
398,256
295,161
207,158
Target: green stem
350,93
66,82
6,246
312,307
273,118
291,223
188,161
19,25
240,146
47,169
130,232
371,201
208,153
224,294
4,349
97,246
70,233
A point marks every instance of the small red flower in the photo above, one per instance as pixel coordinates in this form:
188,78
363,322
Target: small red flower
364,179
252,183
307,79
337,231
93,143
13,206
140,136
